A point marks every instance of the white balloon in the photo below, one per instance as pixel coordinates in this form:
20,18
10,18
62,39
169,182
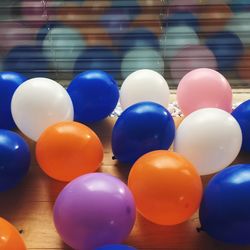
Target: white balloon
144,85
210,138
39,103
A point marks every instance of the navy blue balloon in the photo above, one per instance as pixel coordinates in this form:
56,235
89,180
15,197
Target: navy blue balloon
27,60
98,58
227,49
225,207
14,159
181,18
242,115
139,38
9,82
142,128
116,247
94,94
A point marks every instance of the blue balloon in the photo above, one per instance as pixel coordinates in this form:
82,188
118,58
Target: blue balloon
139,38
242,115
225,207
94,94
115,247
14,159
9,82
27,60
227,49
99,58
142,128
181,18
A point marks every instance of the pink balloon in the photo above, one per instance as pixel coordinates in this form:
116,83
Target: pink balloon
191,57
204,88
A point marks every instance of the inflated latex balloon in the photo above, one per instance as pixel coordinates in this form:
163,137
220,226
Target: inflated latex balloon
189,58
39,103
167,187
242,116
67,44
227,48
224,211
10,237
243,67
99,202
177,37
28,60
210,138
140,85
204,88
94,95
9,81
99,58
137,59
67,150
141,128
14,160
115,247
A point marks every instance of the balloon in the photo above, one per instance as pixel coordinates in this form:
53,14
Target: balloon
115,247
28,60
94,210
142,128
9,81
67,44
191,57
181,18
239,25
10,237
204,88
210,138
39,103
213,16
67,150
166,187
227,49
242,116
138,38
14,159
177,37
140,85
141,59
224,211
94,95
98,58
243,66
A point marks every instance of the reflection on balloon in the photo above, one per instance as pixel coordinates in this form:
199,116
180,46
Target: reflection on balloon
94,95
10,237
99,201
140,85
214,92
191,57
67,150
9,81
143,127
210,138
141,59
167,188
39,103
224,211
14,160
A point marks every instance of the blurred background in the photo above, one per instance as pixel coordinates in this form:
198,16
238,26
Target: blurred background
61,38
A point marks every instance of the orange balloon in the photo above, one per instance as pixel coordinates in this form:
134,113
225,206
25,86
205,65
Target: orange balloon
166,187
67,150
10,237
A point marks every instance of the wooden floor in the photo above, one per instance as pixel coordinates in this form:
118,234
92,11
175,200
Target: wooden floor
29,208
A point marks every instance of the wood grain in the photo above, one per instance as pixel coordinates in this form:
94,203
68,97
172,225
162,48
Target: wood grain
29,208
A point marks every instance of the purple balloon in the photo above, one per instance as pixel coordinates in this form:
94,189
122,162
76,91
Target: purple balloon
94,210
